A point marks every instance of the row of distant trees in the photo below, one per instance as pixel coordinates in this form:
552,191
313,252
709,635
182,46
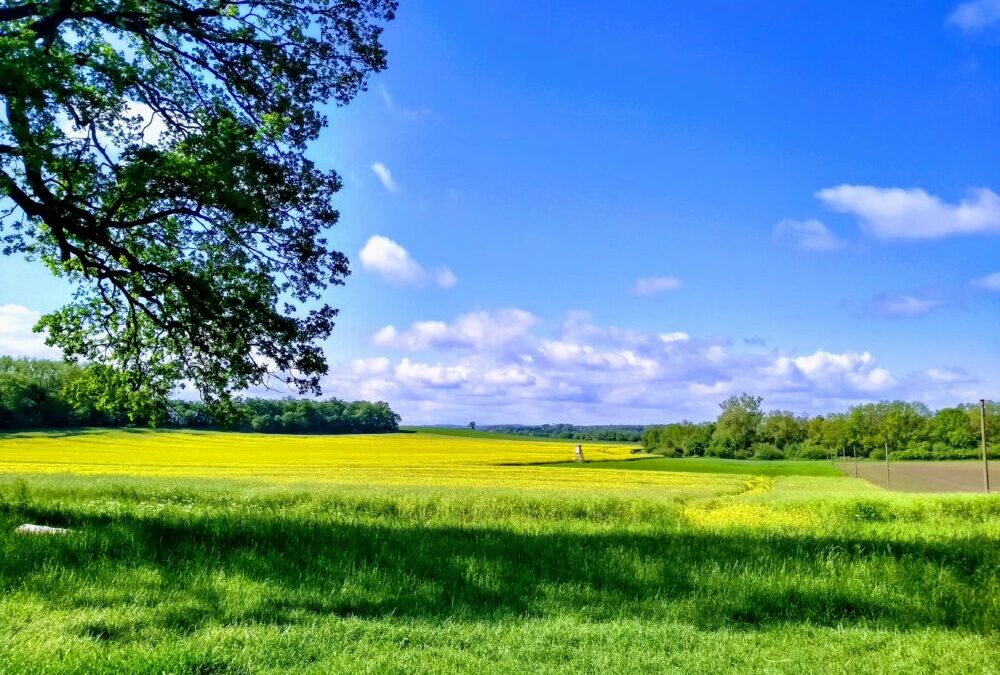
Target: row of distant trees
743,430
292,416
631,433
51,394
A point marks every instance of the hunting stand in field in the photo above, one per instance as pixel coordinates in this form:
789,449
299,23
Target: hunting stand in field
578,452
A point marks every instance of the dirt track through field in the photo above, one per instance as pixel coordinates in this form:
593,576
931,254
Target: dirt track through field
964,476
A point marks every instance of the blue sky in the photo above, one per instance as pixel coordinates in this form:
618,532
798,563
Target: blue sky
568,212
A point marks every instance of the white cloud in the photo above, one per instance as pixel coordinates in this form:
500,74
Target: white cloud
385,176
839,372
897,213
385,336
431,375
808,235
377,365
390,260
675,336
16,336
651,285
511,375
506,366
976,15
445,277
475,330
991,282
394,263
563,353
901,306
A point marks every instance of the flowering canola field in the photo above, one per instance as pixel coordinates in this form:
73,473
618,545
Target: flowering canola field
404,459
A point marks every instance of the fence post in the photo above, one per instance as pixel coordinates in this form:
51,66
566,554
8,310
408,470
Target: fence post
982,433
888,483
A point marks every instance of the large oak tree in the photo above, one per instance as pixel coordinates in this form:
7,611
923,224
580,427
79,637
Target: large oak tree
153,152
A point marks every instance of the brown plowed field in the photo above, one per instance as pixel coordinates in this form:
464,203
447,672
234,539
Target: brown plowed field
963,476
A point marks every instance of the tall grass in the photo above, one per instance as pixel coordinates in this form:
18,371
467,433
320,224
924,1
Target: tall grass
174,576
185,562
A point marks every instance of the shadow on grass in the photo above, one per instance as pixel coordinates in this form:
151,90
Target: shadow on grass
282,570
54,432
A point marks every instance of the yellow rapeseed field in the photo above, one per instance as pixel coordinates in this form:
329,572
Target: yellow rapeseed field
405,459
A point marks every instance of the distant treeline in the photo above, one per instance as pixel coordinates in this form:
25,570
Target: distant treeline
38,394
291,416
631,433
909,430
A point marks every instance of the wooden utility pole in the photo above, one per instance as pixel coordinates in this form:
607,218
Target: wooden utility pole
888,485
855,461
982,433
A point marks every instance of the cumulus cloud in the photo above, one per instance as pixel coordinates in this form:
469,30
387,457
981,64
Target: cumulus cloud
891,306
563,353
395,264
432,375
652,285
808,235
475,330
377,365
826,371
509,366
898,213
385,176
991,282
390,260
510,375
16,336
976,15
385,336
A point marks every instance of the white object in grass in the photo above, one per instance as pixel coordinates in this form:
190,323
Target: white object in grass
29,528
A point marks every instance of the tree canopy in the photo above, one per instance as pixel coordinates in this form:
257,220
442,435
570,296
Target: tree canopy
154,154
910,430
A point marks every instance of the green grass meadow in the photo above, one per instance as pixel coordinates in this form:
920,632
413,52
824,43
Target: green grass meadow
797,573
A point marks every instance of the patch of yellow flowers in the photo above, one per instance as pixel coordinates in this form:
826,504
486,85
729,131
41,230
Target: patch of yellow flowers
405,459
749,515
725,513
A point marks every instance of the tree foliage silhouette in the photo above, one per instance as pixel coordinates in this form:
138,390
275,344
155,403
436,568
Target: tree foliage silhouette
153,152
